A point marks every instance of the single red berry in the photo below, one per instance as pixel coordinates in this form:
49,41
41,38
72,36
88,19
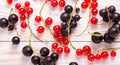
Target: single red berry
94,4
57,28
22,17
48,21
91,57
113,53
27,4
9,1
94,11
37,19
87,1
23,25
86,49
21,11
62,3
54,3
67,50
79,52
54,45
97,56
60,38
17,5
94,0
65,42
29,10
104,55
59,50
40,29
84,5
94,20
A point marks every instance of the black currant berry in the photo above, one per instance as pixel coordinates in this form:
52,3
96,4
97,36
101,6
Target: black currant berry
116,17
54,56
112,9
41,63
64,25
27,51
65,17
44,51
117,26
108,38
73,63
11,27
77,17
13,18
97,39
3,22
73,24
48,60
103,13
105,19
113,31
64,32
68,8
15,40
35,59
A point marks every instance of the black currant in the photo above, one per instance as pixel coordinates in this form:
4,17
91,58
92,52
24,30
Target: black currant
65,17
35,59
48,60
27,51
15,40
113,31
115,17
77,17
103,13
41,63
44,51
3,22
11,27
108,38
105,19
112,9
77,10
73,63
68,8
64,32
13,18
54,56
73,24
97,39
117,26
64,25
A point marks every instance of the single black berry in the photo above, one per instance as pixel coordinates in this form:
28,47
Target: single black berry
112,9
41,63
113,31
73,63
116,17
73,24
65,17
3,22
54,56
27,51
13,18
103,13
108,38
64,25
35,59
15,40
48,60
97,39
77,17
44,51
11,27
68,9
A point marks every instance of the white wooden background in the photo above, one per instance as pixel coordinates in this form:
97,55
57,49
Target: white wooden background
11,55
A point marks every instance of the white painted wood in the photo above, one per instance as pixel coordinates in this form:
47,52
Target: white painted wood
10,55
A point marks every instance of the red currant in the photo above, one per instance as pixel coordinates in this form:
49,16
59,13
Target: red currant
113,53
97,56
48,21
23,25
55,34
27,4
29,10
94,11
87,1
86,49
22,17
17,5
67,50
54,3
84,5
65,42
57,28
94,20
91,57
79,52
40,29
94,4
54,45
94,0
37,19
104,55
9,1
60,38
21,11
59,50
62,3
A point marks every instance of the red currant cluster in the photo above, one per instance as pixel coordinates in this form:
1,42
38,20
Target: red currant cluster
9,1
60,50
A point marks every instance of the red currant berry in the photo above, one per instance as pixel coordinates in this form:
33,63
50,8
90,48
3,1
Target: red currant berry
113,53
9,1
91,57
59,50
37,19
62,3
86,49
94,11
79,52
54,3
57,28
94,4
22,17
27,4
97,56
23,25
29,10
84,5
104,55
40,29
94,20
94,0
21,11
17,5
48,21
67,50
65,42
87,1
60,38
55,34
54,45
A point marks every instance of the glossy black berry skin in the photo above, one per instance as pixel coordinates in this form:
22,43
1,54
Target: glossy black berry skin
103,13
35,59
54,56
65,17
48,60
15,40
105,19
73,63
13,18
64,25
3,22
108,38
27,51
11,27
117,26
41,63
76,17
68,8
115,17
44,51
113,31
73,24
112,9
64,32
97,39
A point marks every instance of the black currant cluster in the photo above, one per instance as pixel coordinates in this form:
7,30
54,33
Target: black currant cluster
44,59
113,31
65,17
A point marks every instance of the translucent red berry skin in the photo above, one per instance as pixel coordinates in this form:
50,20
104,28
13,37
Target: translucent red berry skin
21,11
84,5
91,57
29,10
59,50
27,4
94,20
57,28
54,3
38,19
79,52
9,1
40,29
67,50
48,21
54,45
104,55
22,17
62,3
65,42
94,11
86,49
23,25
94,4
113,53
87,1
94,0
17,5
97,56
